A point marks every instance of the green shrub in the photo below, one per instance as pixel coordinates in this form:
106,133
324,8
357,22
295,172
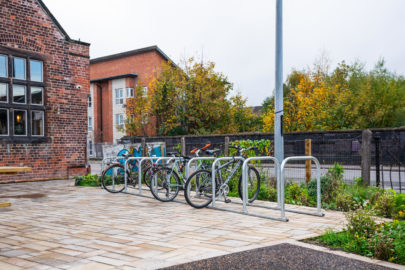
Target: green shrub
361,221
385,205
382,246
399,211
331,184
90,180
345,202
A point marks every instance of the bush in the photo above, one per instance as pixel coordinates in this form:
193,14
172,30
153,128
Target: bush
382,246
345,202
90,180
384,206
387,242
362,222
399,211
331,184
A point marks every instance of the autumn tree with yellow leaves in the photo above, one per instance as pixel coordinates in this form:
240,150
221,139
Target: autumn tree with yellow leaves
347,98
194,99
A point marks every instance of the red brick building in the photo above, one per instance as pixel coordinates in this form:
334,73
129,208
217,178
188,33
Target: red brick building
113,79
44,86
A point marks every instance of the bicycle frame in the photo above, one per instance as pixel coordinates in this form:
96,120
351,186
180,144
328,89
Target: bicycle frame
238,165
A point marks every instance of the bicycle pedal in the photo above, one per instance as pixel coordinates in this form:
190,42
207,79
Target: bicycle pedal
228,201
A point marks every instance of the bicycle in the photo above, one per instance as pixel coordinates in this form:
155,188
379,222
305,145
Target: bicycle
113,177
198,188
166,182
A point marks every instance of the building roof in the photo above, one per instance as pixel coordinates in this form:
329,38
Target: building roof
130,53
57,24
130,75
256,109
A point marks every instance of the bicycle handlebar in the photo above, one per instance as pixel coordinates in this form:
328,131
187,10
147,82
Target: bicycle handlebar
200,148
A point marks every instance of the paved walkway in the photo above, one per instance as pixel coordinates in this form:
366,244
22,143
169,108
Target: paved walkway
53,225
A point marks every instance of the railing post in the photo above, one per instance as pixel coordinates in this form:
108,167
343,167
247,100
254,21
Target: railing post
143,147
308,152
226,149
366,156
183,146
377,160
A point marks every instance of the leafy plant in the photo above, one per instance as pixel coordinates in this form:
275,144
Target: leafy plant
385,205
90,180
362,222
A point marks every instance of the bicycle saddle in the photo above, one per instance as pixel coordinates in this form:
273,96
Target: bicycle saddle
169,154
212,152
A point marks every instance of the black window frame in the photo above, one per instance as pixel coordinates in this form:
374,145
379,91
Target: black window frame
28,107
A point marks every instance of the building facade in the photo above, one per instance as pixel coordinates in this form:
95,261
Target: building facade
113,79
44,86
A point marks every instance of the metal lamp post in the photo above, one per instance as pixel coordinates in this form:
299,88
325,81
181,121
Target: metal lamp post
278,106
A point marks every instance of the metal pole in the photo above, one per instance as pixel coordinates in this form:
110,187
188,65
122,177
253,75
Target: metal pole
278,99
278,108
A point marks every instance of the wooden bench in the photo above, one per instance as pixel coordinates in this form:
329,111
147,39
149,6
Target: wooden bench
12,170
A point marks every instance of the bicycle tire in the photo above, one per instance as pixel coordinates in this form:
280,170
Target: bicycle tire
112,178
255,183
200,181
159,187
147,175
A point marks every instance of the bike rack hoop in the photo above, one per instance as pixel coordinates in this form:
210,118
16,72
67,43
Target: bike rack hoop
318,185
141,160
245,184
213,175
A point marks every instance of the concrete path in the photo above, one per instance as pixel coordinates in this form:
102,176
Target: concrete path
54,225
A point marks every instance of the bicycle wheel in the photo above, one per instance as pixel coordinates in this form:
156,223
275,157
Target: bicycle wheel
147,175
253,182
113,179
198,189
164,184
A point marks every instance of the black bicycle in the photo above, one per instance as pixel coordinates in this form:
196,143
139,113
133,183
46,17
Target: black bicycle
166,181
198,188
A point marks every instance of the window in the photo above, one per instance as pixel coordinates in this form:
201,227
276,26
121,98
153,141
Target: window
3,66
19,68
90,148
3,92
3,122
89,101
119,120
119,96
20,122
37,95
144,120
36,71
19,94
37,123
22,96
145,91
130,92
90,124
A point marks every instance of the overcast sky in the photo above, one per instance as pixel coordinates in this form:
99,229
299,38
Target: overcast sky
239,36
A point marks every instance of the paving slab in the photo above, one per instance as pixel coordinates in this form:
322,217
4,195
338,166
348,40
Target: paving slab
54,225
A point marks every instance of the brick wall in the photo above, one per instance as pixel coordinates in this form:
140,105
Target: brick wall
144,64
27,27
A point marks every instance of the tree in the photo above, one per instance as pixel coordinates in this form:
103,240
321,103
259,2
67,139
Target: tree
347,98
138,112
244,119
191,100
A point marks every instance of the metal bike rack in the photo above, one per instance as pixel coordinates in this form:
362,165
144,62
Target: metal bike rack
245,189
318,185
141,160
105,160
195,159
213,179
